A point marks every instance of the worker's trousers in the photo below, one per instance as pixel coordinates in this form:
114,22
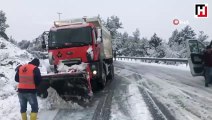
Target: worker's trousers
28,97
208,75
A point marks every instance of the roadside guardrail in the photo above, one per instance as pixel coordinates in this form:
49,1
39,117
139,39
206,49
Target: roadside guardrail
156,60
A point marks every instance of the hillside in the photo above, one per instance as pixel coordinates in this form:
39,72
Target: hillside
10,57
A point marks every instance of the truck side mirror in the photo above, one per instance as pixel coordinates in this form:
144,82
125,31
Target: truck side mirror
99,35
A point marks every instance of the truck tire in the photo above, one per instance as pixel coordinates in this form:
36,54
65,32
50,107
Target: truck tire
103,80
111,74
94,84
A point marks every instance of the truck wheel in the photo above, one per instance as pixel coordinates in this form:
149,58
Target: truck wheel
111,74
103,79
94,85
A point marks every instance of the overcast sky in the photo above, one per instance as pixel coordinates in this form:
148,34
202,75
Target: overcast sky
29,18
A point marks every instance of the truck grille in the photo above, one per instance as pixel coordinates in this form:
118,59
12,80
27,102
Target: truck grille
71,62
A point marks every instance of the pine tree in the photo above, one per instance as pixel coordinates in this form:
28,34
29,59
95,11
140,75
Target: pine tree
12,40
136,35
177,41
24,44
113,24
125,44
137,45
185,34
202,37
173,38
155,41
3,24
145,46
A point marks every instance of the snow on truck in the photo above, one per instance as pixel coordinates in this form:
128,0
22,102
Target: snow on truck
80,51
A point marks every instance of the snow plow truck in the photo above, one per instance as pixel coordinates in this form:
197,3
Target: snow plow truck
84,43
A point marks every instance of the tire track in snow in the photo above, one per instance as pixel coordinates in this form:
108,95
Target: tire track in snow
102,111
157,109
121,100
169,84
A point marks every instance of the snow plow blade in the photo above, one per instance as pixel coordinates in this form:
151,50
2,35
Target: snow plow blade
70,86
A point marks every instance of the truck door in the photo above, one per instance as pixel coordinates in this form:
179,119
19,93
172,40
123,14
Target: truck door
195,52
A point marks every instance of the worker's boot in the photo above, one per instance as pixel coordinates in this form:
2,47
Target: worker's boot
24,116
33,116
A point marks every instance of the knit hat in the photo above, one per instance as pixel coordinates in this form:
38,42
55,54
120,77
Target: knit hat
35,62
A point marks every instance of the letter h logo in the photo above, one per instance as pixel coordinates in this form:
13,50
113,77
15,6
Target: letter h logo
201,10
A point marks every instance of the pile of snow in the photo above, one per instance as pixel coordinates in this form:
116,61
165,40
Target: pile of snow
74,68
45,67
54,101
10,57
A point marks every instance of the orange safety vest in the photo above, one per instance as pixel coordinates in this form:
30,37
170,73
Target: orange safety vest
26,77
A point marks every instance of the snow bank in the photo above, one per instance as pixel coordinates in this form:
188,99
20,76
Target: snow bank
10,57
178,66
54,101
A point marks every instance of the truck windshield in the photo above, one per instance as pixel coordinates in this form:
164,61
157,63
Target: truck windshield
70,37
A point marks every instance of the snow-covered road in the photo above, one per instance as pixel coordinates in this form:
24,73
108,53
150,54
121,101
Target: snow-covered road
148,91
139,91
184,96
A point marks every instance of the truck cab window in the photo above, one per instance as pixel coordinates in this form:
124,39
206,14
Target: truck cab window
196,47
70,37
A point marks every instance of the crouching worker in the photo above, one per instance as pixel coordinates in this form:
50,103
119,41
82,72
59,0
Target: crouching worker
29,77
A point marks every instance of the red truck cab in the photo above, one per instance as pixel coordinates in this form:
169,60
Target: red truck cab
77,41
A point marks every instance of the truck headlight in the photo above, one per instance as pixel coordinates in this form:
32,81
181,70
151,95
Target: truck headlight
94,72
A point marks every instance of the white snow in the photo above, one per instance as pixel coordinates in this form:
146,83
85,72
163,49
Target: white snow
10,58
130,100
177,66
45,67
54,107
184,96
74,68
54,101
90,51
139,108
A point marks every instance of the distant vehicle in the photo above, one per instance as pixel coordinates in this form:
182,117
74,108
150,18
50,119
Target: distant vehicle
195,50
76,41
